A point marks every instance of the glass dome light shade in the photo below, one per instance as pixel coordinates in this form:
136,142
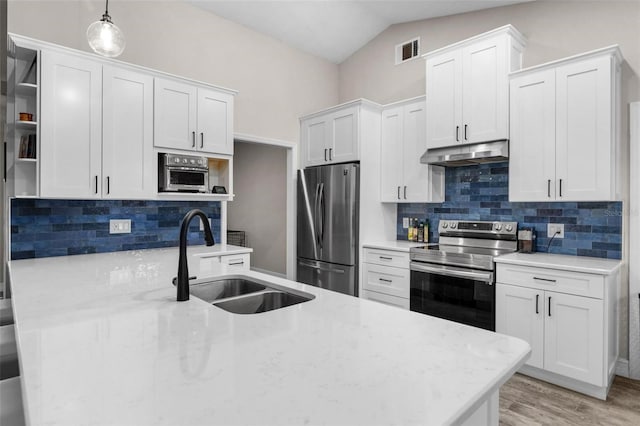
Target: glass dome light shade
105,38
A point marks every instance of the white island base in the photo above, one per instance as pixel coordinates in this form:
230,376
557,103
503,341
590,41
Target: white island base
102,341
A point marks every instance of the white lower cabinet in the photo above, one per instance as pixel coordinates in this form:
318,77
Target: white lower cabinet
386,277
241,260
568,318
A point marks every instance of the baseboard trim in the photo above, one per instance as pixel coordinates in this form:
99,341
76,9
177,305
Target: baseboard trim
264,271
599,392
622,367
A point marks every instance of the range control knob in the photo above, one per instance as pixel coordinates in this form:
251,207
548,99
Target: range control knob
509,228
445,225
453,225
200,162
176,160
497,226
185,161
193,161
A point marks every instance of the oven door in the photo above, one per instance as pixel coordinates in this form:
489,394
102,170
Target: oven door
457,294
182,179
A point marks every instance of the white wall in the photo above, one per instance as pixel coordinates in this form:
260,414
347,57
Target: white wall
554,29
259,207
277,83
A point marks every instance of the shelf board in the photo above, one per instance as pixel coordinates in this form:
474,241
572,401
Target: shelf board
27,160
187,196
28,85
29,124
26,89
26,196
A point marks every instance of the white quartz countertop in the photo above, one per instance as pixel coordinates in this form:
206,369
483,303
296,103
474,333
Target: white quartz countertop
222,249
394,245
102,340
591,265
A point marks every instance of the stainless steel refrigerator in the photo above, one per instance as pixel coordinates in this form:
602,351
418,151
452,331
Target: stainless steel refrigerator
328,206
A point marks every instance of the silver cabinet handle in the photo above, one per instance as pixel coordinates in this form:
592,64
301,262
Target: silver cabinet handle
330,149
549,188
193,139
108,185
549,305
201,140
457,133
325,154
385,258
465,132
96,183
398,193
237,263
561,187
385,280
544,279
537,300
405,192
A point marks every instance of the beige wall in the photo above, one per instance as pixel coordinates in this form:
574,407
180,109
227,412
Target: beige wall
259,207
277,83
554,30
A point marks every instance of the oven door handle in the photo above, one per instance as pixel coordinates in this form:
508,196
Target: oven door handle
486,277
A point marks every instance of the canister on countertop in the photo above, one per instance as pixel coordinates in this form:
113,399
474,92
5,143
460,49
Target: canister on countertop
526,240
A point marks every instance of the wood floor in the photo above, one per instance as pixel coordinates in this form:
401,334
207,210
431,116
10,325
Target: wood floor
527,401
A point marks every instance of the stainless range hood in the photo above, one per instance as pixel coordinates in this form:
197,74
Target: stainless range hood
465,155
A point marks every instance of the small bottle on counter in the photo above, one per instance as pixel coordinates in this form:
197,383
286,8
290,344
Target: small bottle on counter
410,230
421,232
426,231
415,229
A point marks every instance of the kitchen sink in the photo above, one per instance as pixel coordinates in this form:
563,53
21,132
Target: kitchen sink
210,291
261,302
241,295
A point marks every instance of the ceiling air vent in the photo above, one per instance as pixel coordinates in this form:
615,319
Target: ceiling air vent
407,50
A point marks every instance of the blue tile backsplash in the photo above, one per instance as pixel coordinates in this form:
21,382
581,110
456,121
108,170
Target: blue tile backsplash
43,228
481,192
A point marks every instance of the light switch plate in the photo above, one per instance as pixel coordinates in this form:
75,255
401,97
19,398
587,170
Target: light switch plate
120,226
405,223
552,228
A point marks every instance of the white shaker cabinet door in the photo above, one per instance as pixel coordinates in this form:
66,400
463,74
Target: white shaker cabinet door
174,115
532,147
417,176
520,313
584,134
128,166
215,122
485,102
574,343
391,185
344,145
315,138
71,128
444,99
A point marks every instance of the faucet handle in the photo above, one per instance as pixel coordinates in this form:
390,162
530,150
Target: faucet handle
175,279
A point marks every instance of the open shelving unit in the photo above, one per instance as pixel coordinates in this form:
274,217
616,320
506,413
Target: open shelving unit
23,136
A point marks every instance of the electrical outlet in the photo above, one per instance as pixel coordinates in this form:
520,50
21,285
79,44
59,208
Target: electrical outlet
120,226
202,224
405,223
552,228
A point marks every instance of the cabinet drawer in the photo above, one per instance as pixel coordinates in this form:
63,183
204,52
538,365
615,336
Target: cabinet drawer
387,258
577,283
399,302
241,260
387,280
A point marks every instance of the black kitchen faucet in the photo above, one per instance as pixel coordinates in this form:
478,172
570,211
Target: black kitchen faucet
183,270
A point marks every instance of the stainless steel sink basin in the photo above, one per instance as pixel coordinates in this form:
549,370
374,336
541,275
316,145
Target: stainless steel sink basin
210,291
241,295
261,302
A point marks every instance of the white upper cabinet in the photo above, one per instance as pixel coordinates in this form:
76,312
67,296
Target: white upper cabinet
564,132
71,126
192,118
332,136
403,177
128,166
468,88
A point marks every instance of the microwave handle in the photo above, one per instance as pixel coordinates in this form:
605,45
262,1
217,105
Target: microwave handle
486,277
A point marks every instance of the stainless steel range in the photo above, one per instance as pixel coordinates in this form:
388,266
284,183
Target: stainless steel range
455,278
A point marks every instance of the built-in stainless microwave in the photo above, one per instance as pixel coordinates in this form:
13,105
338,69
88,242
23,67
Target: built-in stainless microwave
182,173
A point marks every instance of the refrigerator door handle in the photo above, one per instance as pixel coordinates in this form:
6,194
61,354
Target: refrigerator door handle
316,199
314,265
321,215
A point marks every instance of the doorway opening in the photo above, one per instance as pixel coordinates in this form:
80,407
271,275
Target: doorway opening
263,205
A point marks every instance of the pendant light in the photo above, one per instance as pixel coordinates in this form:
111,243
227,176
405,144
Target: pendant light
104,37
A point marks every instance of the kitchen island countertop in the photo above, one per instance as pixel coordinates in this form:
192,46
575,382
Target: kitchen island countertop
102,340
